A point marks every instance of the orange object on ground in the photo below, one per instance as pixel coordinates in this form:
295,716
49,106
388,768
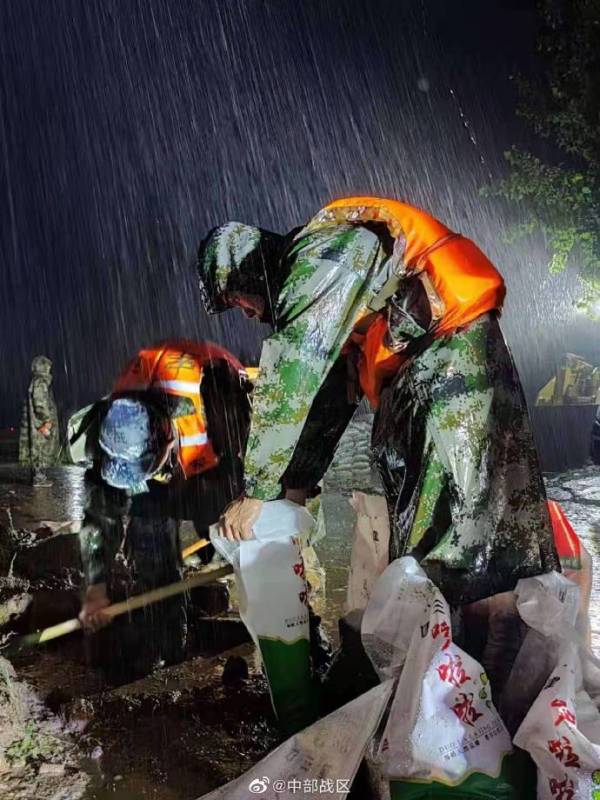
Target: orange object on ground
460,281
567,543
176,368
200,544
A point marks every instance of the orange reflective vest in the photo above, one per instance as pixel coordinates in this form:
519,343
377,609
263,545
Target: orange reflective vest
460,281
176,368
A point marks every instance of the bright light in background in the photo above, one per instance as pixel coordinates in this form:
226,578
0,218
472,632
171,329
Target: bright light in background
588,307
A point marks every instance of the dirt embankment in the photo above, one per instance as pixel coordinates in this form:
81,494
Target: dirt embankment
38,759
68,732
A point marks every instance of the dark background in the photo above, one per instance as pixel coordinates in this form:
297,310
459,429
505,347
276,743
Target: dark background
130,128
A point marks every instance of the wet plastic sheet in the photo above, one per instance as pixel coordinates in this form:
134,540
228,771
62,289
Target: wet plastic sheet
370,547
442,729
77,448
562,728
321,761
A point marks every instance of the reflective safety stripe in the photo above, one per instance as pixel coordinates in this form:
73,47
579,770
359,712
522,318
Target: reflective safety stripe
197,438
176,368
188,387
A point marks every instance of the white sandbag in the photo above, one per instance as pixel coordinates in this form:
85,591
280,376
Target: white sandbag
280,518
370,547
561,732
273,604
269,571
320,761
397,607
442,725
548,604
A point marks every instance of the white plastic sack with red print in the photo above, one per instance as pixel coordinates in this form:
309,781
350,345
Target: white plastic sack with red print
269,571
320,761
370,547
561,731
443,737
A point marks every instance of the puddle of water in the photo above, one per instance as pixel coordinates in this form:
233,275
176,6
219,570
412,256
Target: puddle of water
136,786
28,505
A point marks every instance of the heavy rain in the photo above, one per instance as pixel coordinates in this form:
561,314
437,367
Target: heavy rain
128,132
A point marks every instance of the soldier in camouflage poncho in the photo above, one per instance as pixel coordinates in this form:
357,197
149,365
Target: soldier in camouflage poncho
39,434
452,435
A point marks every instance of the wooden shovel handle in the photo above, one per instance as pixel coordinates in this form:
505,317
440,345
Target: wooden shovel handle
123,607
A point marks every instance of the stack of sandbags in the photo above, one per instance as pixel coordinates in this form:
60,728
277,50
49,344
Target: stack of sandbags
351,467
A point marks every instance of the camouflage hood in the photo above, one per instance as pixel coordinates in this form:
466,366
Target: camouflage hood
239,258
41,367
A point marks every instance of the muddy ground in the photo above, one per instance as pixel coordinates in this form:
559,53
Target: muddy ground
66,734
171,736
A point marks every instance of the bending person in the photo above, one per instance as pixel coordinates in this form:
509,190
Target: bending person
166,445
377,296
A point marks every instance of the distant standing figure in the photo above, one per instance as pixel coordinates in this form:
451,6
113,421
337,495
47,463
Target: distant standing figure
39,437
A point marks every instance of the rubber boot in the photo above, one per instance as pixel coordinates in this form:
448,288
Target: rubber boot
39,479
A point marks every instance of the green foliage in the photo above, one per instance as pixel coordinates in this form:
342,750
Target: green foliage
563,200
30,748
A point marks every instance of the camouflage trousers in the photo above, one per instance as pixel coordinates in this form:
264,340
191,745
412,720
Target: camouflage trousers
453,443
40,455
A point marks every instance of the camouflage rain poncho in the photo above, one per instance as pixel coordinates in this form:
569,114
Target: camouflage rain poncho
35,449
452,437
454,446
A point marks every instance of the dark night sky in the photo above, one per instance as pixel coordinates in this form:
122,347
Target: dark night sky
130,128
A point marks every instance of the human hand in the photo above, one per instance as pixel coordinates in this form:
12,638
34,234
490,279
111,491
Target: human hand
239,517
96,600
45,429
